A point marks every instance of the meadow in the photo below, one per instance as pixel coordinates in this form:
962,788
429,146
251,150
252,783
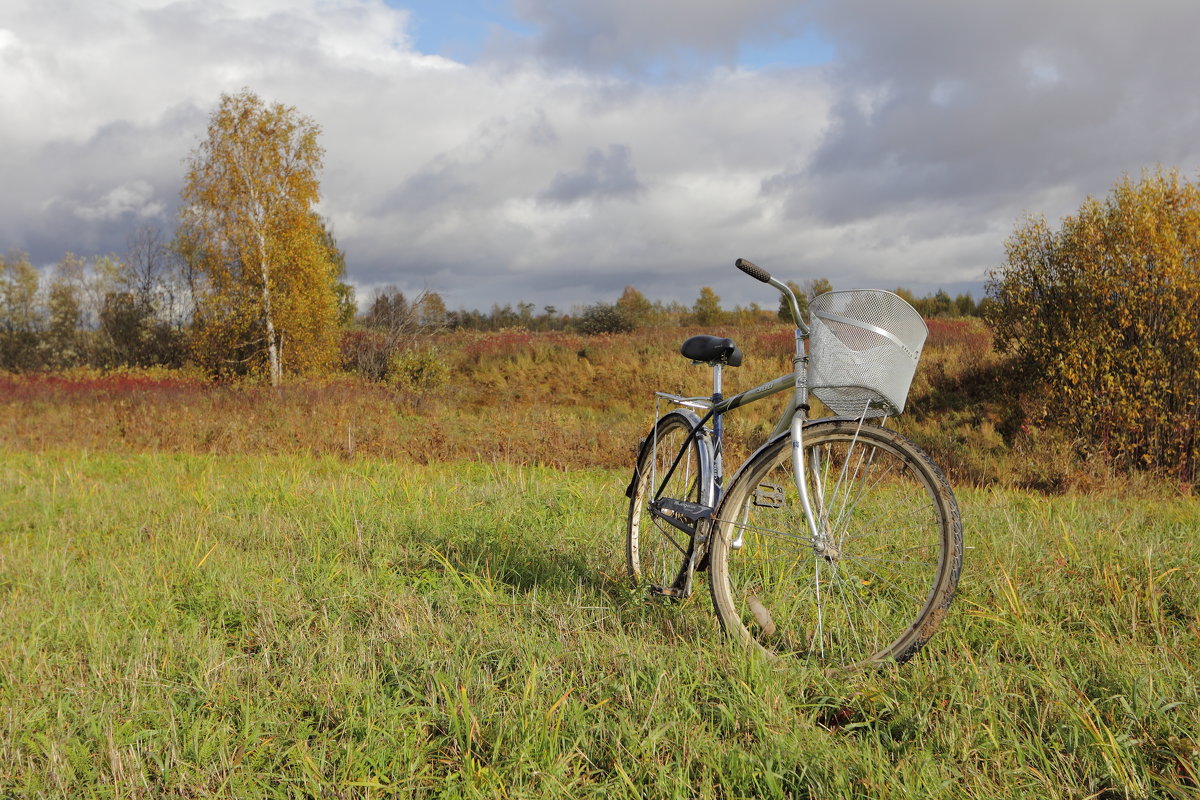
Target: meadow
340,589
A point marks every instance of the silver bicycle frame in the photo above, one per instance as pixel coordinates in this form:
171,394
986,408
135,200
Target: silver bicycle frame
793,419
799,410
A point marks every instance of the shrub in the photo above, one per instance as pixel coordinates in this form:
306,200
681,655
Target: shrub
367,353
604,318
418,369
1103,317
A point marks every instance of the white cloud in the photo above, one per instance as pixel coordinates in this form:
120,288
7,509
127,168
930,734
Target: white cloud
130,200
558,172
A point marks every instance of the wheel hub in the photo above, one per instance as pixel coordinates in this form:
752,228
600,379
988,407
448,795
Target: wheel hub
826,549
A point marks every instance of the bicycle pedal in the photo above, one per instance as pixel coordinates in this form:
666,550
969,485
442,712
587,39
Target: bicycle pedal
768,495
683,509
665,591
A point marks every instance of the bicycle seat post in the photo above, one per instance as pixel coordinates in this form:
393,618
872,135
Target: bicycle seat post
717,397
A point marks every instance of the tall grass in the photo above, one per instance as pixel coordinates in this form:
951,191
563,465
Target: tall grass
196,625
548,398
537,399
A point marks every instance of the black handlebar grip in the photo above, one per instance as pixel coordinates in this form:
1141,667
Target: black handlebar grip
753,270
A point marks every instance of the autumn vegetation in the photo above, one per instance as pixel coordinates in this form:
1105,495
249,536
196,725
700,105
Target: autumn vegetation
1080,361
1102,317
377,552
263,271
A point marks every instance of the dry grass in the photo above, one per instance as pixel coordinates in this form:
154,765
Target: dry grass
553,399
514,396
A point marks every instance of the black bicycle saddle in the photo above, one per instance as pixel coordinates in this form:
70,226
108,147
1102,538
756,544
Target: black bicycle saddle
712,350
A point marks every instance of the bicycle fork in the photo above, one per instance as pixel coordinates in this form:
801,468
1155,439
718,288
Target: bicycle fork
799,467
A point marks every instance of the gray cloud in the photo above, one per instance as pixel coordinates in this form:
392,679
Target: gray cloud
988,105
906,160
605,176
950,122
87,192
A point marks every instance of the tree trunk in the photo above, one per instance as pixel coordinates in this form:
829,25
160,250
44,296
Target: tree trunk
268,317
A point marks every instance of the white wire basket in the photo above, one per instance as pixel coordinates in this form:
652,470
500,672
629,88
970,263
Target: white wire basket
863,350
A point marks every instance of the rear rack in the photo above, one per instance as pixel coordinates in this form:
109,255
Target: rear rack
702,403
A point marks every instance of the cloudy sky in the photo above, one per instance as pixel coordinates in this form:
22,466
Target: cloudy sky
554,151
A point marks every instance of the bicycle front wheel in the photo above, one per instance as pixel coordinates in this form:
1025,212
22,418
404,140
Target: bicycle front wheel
674,464
875,580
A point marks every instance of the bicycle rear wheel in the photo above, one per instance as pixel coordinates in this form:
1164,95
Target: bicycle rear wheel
876,580
657,553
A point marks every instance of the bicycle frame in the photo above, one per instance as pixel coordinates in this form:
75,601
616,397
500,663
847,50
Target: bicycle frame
716,406
792,421
871,570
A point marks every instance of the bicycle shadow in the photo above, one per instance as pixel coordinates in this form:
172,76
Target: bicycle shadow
492,558
561,578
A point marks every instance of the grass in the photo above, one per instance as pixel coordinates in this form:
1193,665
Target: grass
344,589
298,625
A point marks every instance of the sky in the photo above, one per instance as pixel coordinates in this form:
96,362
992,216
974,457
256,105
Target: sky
555,151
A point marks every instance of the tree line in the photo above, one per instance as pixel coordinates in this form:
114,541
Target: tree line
252,282
101,311
147,308
389,308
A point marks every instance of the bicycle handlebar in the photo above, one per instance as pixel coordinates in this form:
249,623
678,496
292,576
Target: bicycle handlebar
753,270
758,273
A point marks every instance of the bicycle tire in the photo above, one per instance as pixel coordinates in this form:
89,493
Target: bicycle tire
656,553
879,577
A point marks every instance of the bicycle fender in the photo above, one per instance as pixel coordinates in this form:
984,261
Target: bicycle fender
648,442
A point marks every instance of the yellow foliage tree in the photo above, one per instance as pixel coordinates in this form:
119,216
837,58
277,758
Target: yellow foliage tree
19,317
707,309
634,307
1104,316
264,277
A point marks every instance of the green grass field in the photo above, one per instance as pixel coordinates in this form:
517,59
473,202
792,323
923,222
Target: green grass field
241,625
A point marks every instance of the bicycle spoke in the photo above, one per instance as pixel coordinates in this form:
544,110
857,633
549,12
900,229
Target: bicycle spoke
858,591
670,466
668,533
805,541
880,622
862,454
849,616
892,586
820,633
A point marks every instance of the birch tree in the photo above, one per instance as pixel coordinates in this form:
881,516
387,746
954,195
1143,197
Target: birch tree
20,317
264,278
707,310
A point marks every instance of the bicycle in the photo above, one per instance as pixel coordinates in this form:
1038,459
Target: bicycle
848,554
